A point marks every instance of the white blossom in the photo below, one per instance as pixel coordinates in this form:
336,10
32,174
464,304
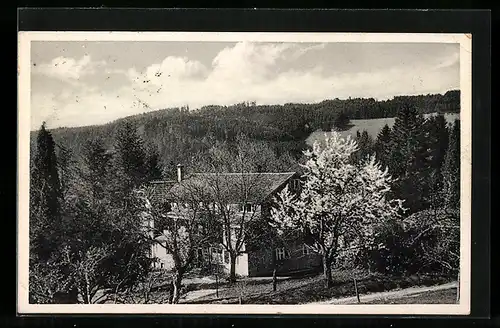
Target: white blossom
340,203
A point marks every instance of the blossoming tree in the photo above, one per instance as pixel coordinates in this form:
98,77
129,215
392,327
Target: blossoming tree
341,204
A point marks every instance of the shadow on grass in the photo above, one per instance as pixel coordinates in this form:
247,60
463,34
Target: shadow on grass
312,289
448,296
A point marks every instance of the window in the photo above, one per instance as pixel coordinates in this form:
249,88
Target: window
295,184
248,207
217,255
305,250
281,254
167,207
205,255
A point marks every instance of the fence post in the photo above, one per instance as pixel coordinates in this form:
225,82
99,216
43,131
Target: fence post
356,290
274,280
216,285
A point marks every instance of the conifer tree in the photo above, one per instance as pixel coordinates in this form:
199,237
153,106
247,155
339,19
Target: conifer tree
130,159
383,145
66,167
45,196
437,135
410,159
341,121
365,146
97,162
153,167
451,169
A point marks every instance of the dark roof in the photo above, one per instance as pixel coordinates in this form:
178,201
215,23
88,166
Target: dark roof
232,187
159,188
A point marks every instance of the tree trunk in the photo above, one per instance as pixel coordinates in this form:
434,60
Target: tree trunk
232,271
171,292
458,287
217,285
176,288
327,271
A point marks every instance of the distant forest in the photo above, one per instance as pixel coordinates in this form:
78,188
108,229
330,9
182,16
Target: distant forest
181,135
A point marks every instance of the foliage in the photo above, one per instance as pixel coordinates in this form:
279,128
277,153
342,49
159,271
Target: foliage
49,281
435,236
87,236
365,146
411,159
45,197
341,204
181,233
451,169
179,134
341,121
383,146
130,159
96,244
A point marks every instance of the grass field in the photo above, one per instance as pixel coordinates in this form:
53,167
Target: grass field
372,126
447,296
310,289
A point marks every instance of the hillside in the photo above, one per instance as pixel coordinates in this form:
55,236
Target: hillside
372,126
180,134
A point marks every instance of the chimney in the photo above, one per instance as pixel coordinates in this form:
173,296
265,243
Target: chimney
180,172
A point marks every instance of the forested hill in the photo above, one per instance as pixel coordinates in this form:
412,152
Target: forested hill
178,134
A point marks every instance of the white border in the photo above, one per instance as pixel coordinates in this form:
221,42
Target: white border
24,52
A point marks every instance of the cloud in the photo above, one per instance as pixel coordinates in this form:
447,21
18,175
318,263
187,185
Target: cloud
243,72
448,61
246,63
65,68
170,69
303,50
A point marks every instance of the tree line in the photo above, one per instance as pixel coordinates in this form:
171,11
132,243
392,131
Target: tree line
179,134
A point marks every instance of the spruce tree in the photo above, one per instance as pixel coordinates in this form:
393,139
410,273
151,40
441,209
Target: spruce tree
383,146
130,159
45,196
97,162
411,159
437,135
451,169
65,164
341,121
365,146
153,167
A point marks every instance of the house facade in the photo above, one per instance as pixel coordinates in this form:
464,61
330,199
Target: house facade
247,199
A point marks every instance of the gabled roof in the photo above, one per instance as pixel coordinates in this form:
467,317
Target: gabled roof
229,187
158,189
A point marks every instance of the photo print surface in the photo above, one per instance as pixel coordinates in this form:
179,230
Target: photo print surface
241,173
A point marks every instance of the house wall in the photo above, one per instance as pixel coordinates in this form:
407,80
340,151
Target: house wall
241,267
164,260
256,262
262,262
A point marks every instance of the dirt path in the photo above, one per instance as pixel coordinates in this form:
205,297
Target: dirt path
192,295
389,295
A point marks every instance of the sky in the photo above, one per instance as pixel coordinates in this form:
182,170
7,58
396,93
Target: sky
95,82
